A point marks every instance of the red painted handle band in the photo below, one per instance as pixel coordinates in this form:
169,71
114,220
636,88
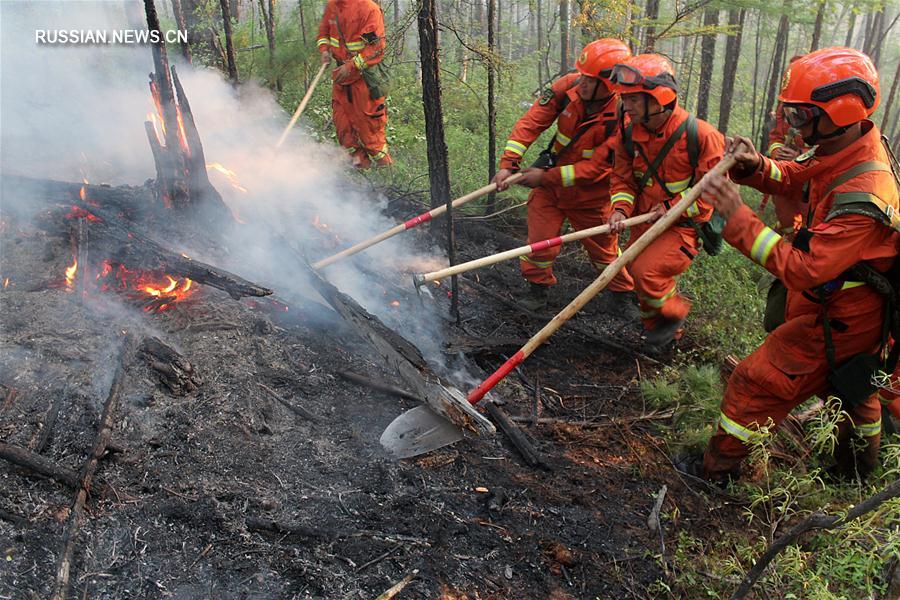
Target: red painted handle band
544,244
424,217
504,370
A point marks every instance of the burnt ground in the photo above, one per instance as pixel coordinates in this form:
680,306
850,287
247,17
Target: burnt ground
191,471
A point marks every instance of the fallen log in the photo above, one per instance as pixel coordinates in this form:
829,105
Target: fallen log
175,371
38,464
64,565
378,385
294,408
314,533
50,421
402,356
528,452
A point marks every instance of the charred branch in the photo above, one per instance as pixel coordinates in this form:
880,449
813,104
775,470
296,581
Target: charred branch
174,370
381,386
86,476
38,464
294,408
522,444
49,422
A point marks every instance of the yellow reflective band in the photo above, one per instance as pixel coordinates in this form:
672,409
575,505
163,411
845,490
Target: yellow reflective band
658,302
335,42
321,41
587,153
736,429
694,209
763,245
622,197
774,171
648,314
675,187
773,147
869,429
360,62
640,174
356,46
567,173
849,285
884,399
380,154
543,264
351,150
515,147
561,139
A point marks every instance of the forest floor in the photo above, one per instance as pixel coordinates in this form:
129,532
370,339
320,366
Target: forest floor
185,506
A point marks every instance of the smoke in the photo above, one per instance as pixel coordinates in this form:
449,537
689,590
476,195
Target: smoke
77,111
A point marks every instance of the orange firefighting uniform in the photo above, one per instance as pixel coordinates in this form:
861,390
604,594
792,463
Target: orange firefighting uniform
655,269
354,31
781,135
790,366
577,188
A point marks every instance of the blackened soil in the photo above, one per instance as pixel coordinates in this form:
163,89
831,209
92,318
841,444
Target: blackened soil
197,474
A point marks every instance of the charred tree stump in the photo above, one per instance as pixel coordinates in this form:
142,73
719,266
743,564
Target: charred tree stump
64,566
174,370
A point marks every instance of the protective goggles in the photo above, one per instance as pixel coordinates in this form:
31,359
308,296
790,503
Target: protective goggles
852,85
798,115
629,76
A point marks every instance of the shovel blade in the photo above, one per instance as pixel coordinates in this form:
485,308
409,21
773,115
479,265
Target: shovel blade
419,431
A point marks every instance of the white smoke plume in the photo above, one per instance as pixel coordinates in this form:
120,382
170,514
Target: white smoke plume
77,111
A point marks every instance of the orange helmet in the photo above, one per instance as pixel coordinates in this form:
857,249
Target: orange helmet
647,73
600,56
843,82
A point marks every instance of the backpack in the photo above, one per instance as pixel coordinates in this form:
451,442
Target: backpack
710,233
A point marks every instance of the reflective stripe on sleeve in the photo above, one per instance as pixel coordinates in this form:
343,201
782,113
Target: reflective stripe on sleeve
773,147
322,42
567,173
849,285
763,244
774,171
360,62
658,302
587,153
622,197
734,428
515,147
380,154
541,264
562,139
356,46
678,186
335,42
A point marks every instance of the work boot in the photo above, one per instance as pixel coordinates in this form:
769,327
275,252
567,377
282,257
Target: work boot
536,297
623,305
665,331
691,464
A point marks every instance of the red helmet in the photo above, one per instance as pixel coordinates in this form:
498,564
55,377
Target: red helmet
649,74
843,82
600,56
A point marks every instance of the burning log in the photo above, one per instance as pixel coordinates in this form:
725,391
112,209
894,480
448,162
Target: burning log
175,371
402,356
61,585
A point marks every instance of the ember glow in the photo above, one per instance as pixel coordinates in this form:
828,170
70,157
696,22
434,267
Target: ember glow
156,127
333,238
798,222
161,291
6,283
395,303
229,175
182,136
79,213
71,271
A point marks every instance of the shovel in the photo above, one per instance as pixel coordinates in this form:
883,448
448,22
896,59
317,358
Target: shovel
419,430
302,106
423,218
422,278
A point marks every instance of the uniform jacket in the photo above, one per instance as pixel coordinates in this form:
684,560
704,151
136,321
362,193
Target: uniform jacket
582,168
675,170
835,245
354,31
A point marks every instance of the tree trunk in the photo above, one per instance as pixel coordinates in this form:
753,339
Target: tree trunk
302,21
563,36
182,26
817,28
492,107
651,13
540,42
781,39
732,54
886,119
229,46
268,16
707,60
236,10
850,27
690,74
758,51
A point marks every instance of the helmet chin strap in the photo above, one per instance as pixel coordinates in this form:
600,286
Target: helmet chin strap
647,114
816,136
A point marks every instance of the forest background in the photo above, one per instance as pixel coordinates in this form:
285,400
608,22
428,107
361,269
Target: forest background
463,71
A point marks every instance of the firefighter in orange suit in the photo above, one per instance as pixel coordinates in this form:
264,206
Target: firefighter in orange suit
571,178
352,32
659,127
833,320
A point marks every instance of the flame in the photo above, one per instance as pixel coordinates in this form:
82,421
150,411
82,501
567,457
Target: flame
6,283
334,239
156,126
145,285
798,222
79,213
182,136
395,303
70,274
229,175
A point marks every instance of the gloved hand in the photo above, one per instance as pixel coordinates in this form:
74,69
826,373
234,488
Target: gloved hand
344,74
325,56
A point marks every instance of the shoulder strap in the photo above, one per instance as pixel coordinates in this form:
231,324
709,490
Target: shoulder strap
653,167
864,203
855,171
693,145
